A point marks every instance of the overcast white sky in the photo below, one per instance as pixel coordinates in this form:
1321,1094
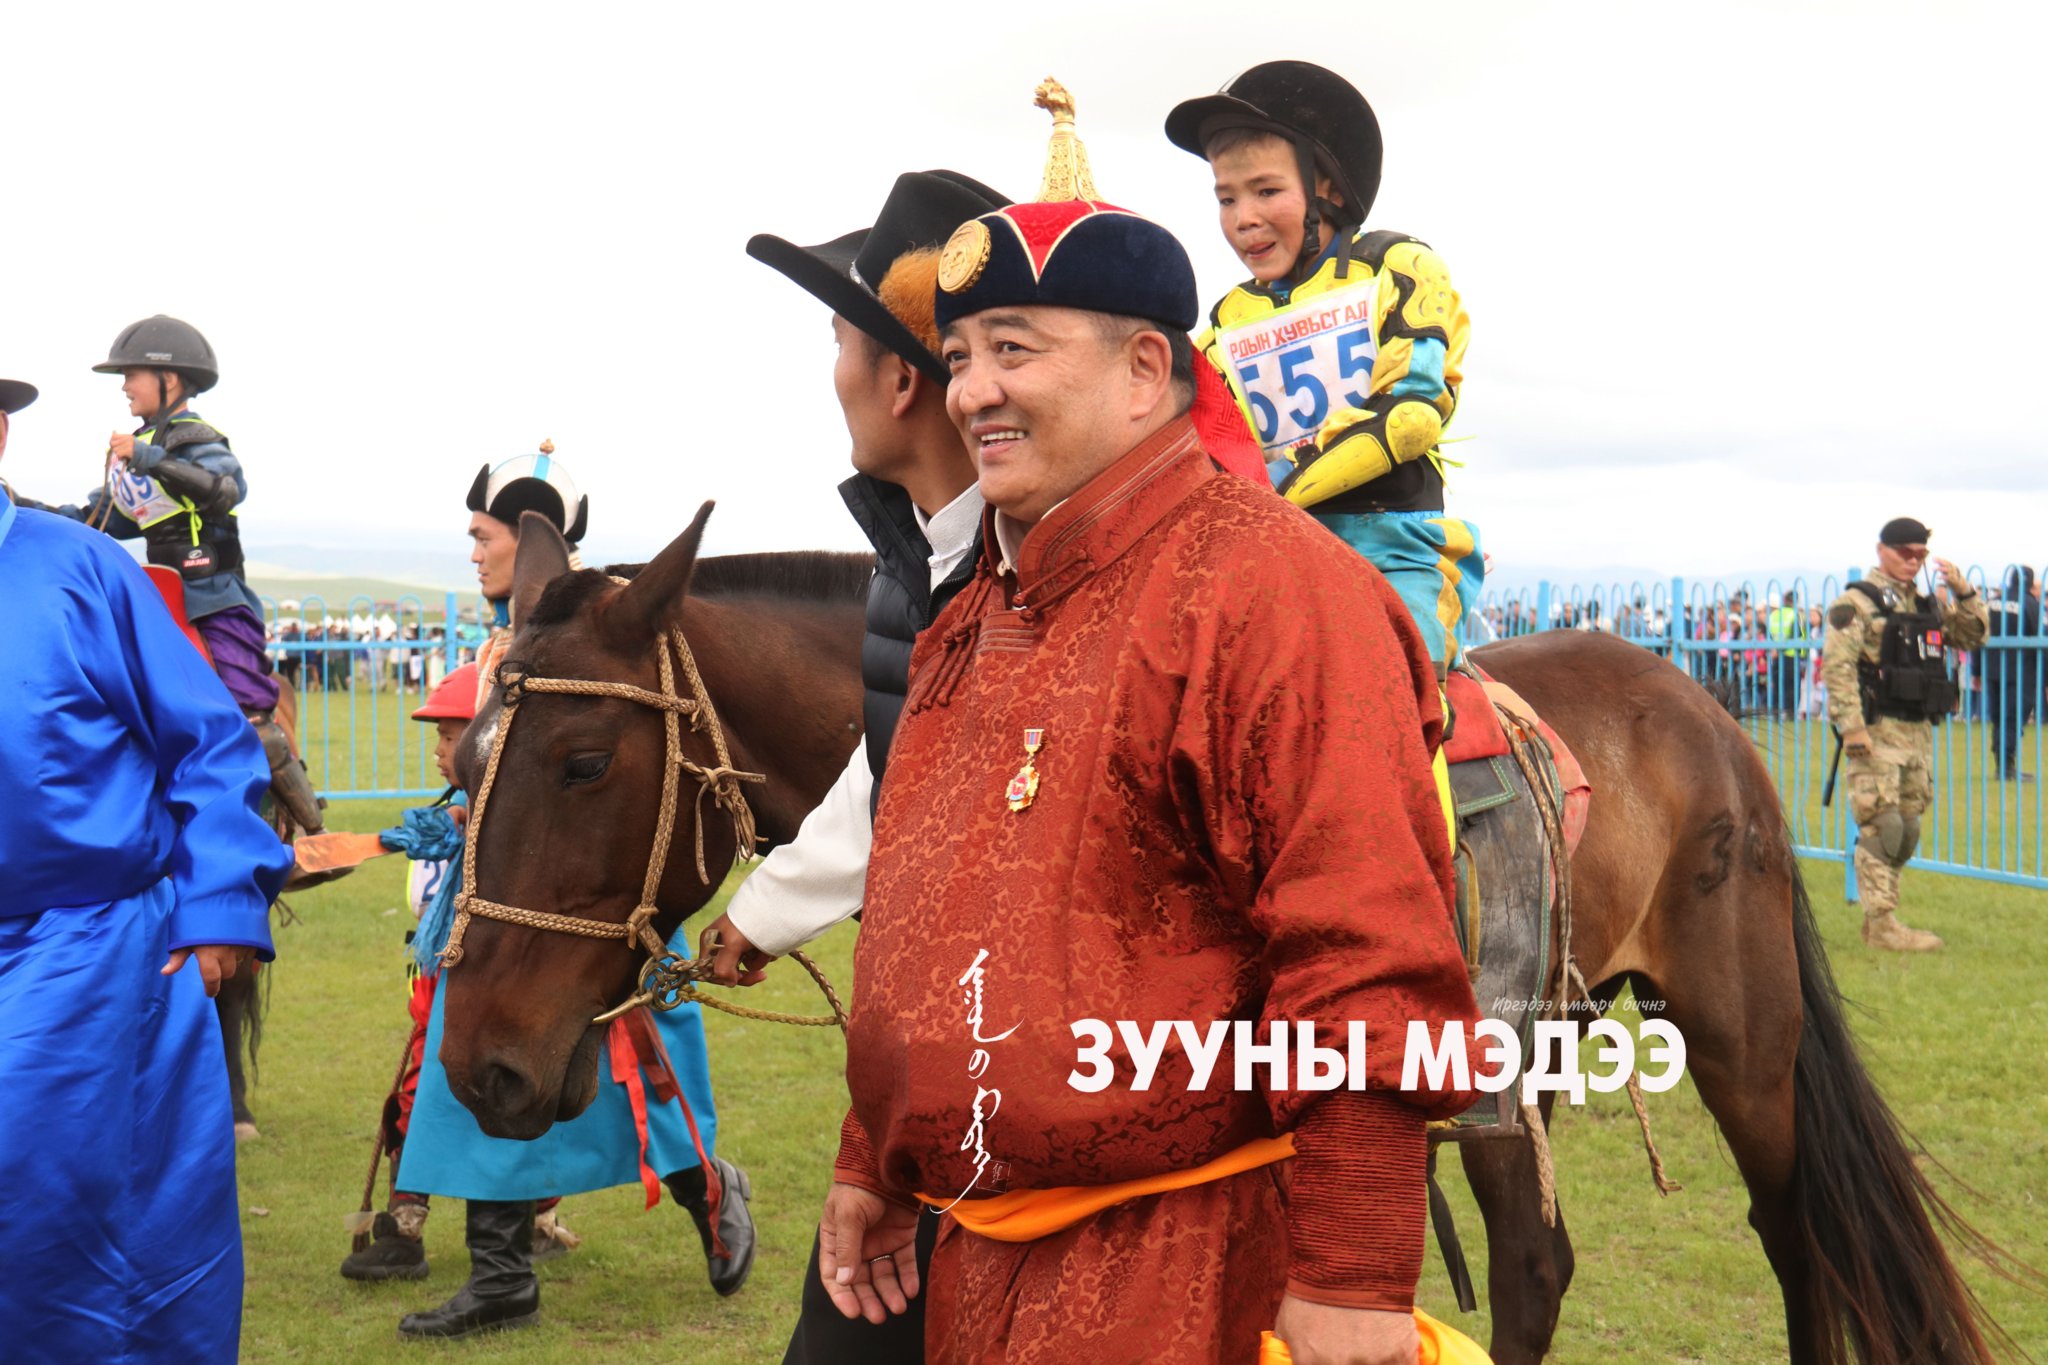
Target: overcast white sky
1746,279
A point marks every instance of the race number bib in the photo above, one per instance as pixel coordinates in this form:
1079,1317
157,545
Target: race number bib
141,499
423,882
1297,366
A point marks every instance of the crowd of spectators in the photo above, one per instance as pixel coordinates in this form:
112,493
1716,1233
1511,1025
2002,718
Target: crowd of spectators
365,649
1767,648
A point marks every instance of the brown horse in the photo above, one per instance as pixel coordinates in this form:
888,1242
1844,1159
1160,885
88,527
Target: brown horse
570,825
1684,886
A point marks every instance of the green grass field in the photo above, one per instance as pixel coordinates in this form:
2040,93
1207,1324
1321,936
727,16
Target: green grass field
1678,1278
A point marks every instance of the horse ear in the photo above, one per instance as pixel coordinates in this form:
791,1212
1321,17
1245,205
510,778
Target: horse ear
543,557
646,606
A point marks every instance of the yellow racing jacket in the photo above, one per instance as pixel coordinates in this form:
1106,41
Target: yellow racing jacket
1347,382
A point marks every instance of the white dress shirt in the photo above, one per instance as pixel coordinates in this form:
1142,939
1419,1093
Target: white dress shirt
816,880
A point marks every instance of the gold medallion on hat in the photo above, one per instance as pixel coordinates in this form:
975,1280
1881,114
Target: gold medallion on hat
965,255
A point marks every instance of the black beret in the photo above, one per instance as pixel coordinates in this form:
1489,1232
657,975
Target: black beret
1903,531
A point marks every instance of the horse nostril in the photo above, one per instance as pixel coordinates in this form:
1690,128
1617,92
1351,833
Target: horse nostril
505,1089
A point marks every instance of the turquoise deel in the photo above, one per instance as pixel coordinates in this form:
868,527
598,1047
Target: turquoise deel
1410,548
447,1154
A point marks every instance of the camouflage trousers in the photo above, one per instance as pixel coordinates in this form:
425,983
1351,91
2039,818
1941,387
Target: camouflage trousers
1888,793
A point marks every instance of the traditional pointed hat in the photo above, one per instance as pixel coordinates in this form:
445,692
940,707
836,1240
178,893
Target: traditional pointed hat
1069,249
532,483
1072,250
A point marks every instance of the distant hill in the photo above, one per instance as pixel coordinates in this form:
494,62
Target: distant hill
338,592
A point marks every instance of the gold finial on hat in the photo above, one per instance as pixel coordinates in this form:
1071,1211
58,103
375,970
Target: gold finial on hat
547,447
1066,160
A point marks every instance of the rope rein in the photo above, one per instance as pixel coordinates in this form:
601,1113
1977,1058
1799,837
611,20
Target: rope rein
1524,743
668,979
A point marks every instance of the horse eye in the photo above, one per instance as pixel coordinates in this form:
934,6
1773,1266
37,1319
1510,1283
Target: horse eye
585,768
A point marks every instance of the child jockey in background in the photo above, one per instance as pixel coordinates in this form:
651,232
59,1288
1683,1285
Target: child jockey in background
431,838
175,484
1346,347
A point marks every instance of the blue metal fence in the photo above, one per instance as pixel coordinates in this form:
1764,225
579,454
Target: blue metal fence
360,668
1762,641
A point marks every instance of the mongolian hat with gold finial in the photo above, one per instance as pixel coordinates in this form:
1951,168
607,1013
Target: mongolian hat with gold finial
1071,250
1068,250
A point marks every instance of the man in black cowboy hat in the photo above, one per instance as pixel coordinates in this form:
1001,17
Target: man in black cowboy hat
914,495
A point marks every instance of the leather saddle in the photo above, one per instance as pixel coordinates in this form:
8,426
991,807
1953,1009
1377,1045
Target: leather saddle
1521,800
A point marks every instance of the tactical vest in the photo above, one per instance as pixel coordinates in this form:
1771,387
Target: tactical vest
1911,678
187,524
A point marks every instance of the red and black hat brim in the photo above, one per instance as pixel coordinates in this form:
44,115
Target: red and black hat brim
827,273
15,395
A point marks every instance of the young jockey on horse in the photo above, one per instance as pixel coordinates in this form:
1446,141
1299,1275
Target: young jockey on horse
1346,347
176,484
654,1096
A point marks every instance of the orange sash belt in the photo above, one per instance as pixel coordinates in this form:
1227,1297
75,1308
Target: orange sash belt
1440,1345
1027,1215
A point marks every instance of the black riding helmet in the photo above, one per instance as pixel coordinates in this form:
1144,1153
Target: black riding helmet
164,343
1332,128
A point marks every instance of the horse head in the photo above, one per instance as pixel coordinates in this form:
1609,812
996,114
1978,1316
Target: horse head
567,792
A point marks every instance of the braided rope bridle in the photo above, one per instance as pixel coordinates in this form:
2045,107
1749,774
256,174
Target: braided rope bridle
667,979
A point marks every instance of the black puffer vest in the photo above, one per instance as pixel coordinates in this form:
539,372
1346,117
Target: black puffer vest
900,604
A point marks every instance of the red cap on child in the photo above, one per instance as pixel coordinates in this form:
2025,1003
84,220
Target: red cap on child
454,699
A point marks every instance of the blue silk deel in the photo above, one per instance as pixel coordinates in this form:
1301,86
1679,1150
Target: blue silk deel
130,829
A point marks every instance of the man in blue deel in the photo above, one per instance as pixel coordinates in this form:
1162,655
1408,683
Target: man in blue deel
137,874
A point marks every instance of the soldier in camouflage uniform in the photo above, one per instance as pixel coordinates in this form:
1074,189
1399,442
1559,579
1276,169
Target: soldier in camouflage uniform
1888,684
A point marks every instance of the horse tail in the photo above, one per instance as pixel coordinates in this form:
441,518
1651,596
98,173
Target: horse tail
1878,1275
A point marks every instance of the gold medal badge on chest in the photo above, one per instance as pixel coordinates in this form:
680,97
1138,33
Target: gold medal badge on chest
1023,788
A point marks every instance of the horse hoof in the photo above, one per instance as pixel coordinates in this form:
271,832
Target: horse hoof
246,1132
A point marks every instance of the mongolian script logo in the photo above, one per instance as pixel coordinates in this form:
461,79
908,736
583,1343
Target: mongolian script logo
977,1067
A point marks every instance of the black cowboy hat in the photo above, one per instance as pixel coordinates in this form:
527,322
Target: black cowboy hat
15,395
922,210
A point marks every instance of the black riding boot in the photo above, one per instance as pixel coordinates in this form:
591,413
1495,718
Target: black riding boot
735,1223
288,779
502,1291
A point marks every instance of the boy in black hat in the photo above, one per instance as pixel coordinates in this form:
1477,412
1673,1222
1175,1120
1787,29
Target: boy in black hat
1345,348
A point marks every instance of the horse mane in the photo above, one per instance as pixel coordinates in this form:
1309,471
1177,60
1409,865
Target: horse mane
797,575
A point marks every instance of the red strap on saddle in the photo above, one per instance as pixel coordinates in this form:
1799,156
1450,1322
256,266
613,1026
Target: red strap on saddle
171,588
1480,733
1476,731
